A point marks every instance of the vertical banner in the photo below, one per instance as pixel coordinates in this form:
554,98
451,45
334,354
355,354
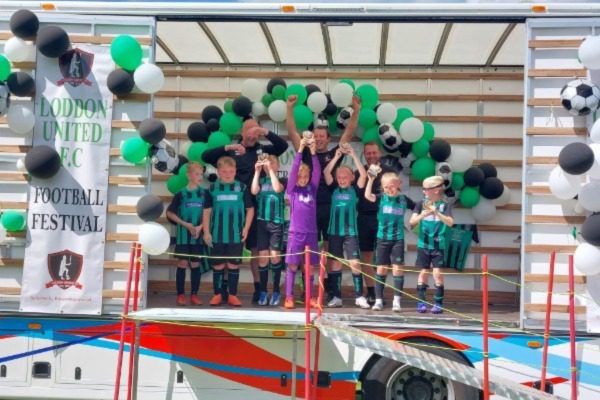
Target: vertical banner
66,220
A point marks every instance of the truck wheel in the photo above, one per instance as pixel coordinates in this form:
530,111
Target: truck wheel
392,380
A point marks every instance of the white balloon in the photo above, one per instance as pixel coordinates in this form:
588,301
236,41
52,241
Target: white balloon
484,210
20,118
341,94
460,159
594,171
589,52
578,208
587,259
595,132
149,78
504,198
562,185
589,196
411,129
386,113
154,237
18,50
317,101
258,109
21,165
277,110
253,89
2,233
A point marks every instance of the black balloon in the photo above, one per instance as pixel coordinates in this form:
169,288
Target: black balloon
213,125
242,106
330,108
211,112
311,88
488,170
212,178
439,150
274,82
491,188
152,130
590,230
405,148
120,82
182,161
576,158
149,207
24,24
52,41
21,84
198,132
42,162
473,176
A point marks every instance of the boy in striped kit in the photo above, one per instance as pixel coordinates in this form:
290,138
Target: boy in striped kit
434,216
342,230
389,249
269,192
227,217
186,211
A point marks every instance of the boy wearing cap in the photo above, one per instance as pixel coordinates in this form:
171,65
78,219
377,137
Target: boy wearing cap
434,216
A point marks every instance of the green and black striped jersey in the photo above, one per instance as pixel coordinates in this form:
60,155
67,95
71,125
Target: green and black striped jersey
270,203
188,204
390,216
342,218
228,202
458,244
432,231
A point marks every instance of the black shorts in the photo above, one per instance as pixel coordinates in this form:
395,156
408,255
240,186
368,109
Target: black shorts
269,235
344,247
367,231
233,250
323,211
388,252
190,251
430,258
252,238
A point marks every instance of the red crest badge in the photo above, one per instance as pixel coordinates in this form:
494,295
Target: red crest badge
64,268
75,66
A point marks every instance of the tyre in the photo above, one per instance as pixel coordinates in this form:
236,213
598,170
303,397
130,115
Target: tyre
391,380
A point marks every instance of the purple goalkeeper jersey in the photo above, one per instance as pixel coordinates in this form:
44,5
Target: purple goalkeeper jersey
303,205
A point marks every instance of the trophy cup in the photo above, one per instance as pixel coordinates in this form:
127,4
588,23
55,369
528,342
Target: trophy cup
374,170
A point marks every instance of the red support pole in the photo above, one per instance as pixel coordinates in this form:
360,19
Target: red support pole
318,334
307,290
136,282
123,323
572,329
547,321
322,262
485,317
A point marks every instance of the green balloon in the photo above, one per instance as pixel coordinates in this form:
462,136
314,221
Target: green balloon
267,99
369,97
183,169
371,135
367,118
303,116
4,67
428,131
217,139
458,180
469,196
349,82
401,115
278,92
230,123
196,150
126,52
423,168
228,106
420,148
332,122
134,150
13,221
176,182
298,90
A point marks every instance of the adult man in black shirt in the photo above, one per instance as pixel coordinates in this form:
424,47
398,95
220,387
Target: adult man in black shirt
245,152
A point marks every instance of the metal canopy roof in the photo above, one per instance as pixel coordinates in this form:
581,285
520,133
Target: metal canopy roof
368,44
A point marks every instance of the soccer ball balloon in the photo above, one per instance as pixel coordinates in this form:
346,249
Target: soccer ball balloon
321,121
4,99
444,170
344,117
580,97
389,137
164,157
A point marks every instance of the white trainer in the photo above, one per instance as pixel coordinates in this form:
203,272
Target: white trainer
362,303
378,306
396,305
336,302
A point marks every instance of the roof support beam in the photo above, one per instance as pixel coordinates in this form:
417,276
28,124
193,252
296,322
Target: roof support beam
214,42
327,44
385,29
271,42
167,50
442,44
500,43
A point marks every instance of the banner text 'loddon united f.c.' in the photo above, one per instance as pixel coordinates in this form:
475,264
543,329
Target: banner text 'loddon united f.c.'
66,221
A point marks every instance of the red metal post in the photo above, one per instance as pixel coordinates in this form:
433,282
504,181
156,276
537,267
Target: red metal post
485,317
136,283
307,290
123,322
318,334
572,329
547,321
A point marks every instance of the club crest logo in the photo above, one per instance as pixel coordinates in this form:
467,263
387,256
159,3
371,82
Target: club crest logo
75,66
64,268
